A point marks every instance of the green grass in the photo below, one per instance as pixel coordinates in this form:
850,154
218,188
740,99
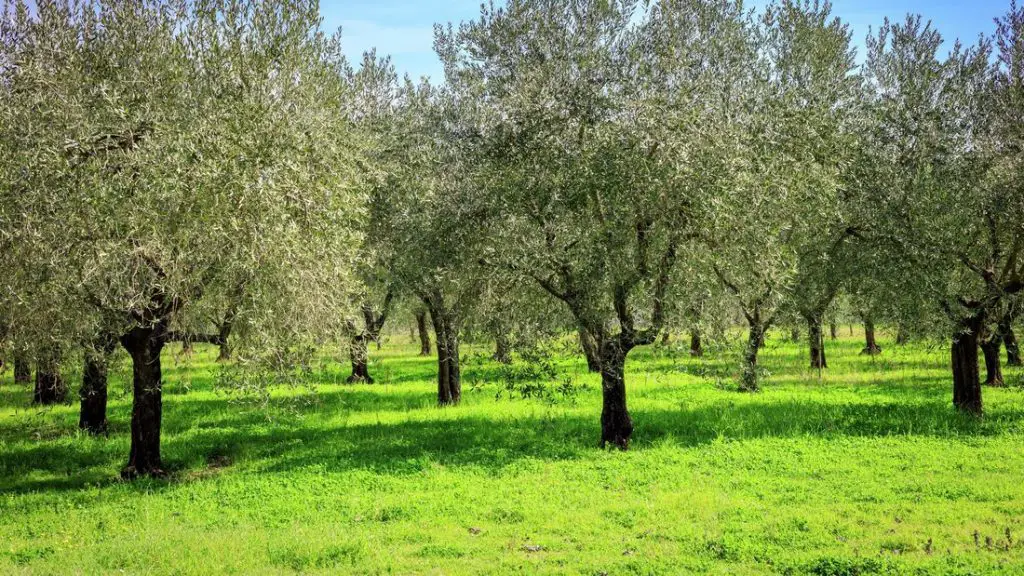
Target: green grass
867,470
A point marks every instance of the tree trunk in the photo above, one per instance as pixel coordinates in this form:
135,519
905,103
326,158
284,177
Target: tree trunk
666,338
22,368
1012,347
449,380
902,334
966,378
359,355
590,350
223,333
92,416
755,340
871,347
795,334
696,346
992,348
50,387
833,330
616,425
421,326
817,342
502,351
144,345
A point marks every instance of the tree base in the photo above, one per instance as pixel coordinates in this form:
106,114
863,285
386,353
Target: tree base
871,351
133,473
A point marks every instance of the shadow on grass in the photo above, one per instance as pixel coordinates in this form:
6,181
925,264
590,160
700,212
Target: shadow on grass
491,444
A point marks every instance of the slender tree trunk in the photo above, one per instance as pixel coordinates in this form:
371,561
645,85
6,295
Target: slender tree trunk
966,377
359,355
992,348
871,347
755,340
22,368
616,424
1010,340
421,326
696,346
144,345
833,330
502,350
590,351
817,342
449,378
50,387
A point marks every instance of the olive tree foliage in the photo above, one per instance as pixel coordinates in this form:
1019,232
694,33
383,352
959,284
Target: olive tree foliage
937,145
775,228
156,154
597,131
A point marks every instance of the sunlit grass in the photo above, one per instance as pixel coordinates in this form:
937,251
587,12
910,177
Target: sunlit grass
865,469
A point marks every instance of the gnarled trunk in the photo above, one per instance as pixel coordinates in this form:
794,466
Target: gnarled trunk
502,350
616,425
991,349
92,416
449,378
590,351
421,326
50,387
696,345
1012,347
223,333
817,343
359,355
144,345
22,368
871,347
755,341
966,378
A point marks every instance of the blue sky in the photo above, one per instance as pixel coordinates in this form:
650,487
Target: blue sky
404,28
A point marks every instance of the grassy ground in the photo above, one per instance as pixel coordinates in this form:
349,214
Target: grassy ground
867,470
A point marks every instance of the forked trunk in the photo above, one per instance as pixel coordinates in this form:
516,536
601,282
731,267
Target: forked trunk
421,326
449,380
1012,347
359,355
817,343
616,425
966,378
871,347
50,387
696,346
92,415
755,341
144,345
590,351
991,348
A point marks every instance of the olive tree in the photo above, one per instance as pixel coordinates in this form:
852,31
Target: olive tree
597,128
153,154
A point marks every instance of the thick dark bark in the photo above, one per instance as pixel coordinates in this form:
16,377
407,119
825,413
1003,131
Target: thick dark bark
22,368
590,351
992,348
421,326
502,350
616,424
696,345
966,377
755,340
817,343
92,415
1012,347
871,347
50,387
833,330
449,378
359,355
144,345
